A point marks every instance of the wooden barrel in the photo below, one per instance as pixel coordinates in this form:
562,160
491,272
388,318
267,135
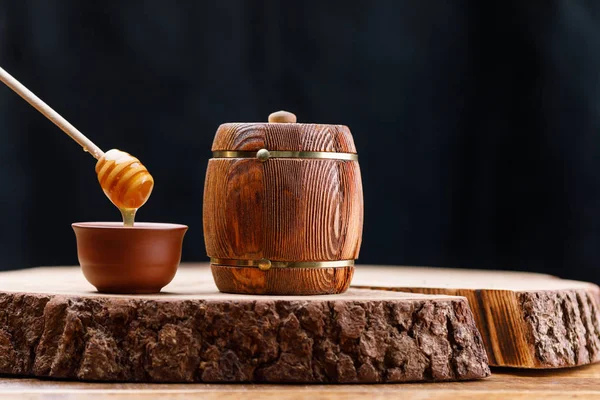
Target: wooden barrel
283,207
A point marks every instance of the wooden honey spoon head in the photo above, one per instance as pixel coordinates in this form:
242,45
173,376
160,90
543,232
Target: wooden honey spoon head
125,181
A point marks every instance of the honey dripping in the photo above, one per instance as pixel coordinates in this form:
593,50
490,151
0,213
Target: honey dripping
125,181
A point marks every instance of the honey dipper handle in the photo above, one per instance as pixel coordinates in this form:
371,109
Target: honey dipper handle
49,113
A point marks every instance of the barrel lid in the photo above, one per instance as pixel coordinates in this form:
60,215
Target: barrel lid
283,133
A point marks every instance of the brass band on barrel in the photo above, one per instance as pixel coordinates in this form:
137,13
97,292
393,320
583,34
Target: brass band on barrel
264,154
265,264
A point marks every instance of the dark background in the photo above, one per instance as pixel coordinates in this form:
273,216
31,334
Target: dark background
477,122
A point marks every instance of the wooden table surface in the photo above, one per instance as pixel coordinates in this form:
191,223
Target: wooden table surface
579,382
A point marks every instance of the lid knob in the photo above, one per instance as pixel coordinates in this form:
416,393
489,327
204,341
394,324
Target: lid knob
282,117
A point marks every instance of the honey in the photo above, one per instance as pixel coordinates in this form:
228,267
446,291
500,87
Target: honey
125,181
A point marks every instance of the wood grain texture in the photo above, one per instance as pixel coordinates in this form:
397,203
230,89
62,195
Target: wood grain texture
526,320
52,324
284,210
572,383
292,137
295,281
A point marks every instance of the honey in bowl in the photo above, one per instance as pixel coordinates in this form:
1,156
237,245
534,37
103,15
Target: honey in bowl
125,181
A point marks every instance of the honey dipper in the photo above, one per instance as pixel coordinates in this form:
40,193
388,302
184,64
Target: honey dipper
123,178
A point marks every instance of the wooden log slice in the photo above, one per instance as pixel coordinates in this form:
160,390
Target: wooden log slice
527,320
53,324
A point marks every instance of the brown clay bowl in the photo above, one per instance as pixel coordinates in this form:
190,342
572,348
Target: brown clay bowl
139,259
